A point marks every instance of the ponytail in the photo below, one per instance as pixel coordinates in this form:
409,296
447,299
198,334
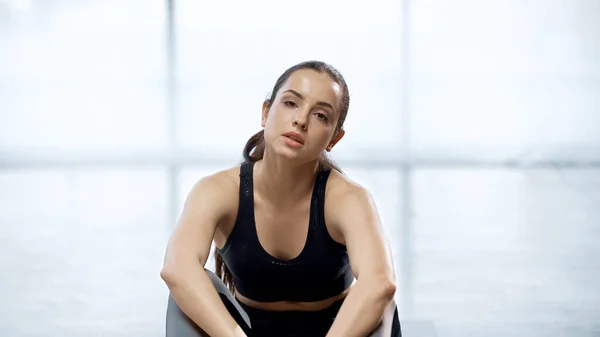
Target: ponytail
222,271
256,143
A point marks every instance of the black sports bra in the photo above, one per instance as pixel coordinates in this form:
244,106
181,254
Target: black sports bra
320,271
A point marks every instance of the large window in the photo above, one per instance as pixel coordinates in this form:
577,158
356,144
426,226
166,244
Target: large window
81,250
83,76
502,80
500,245
474,124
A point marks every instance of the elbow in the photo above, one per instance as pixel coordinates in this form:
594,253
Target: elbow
171,276
388,289
176,268
383,287
167,275
177,274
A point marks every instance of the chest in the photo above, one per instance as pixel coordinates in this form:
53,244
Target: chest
282,230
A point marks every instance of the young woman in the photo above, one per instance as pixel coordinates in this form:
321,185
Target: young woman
300,250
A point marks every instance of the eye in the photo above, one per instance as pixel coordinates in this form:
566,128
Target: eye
290,104
321,116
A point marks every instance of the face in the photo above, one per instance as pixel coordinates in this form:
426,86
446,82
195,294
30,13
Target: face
301,121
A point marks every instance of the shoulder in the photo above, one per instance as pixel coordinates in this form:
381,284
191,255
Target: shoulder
220,182
348,205
343,191
218,190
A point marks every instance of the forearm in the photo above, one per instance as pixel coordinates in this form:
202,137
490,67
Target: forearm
196,296
363,309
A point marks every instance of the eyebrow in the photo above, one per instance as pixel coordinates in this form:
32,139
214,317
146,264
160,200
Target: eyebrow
299,95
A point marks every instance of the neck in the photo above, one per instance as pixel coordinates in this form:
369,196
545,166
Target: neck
281,181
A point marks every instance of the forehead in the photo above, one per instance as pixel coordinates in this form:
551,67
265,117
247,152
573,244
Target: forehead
314,86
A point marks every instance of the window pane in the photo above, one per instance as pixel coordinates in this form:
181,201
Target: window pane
229,62
72,81
81,252
500,121
507,252
504,38
505,79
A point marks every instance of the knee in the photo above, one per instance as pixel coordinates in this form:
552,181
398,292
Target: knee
390,324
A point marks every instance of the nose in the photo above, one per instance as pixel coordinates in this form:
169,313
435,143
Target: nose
300,122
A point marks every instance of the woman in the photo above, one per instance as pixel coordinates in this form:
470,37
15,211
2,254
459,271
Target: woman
300,250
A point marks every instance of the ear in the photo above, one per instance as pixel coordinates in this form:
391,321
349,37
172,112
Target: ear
265,113
335,139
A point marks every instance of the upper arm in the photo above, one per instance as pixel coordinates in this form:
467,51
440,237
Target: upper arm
356,217
207,204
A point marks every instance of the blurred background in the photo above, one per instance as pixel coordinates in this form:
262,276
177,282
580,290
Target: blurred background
475,125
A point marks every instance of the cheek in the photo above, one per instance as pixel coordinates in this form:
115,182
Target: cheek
276,117
321,137
273,124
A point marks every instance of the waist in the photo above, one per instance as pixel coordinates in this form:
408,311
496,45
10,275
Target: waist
297,306
259,314
291,322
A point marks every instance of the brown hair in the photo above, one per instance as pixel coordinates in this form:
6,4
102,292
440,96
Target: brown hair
255,147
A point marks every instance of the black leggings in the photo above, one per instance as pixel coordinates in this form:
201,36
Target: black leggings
259,323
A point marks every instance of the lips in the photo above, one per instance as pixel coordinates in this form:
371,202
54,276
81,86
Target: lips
294,136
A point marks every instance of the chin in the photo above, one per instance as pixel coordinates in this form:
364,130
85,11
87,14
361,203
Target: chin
285,152
290,154
300,155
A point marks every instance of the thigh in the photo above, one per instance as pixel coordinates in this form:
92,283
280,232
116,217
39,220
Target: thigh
178,324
